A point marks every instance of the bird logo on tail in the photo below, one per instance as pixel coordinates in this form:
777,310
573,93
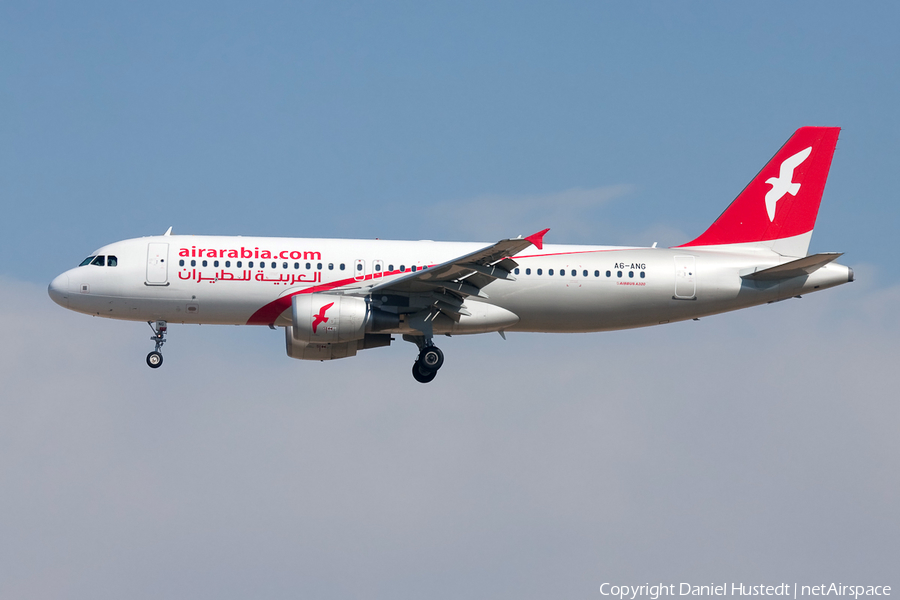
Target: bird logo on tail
784,184
321,318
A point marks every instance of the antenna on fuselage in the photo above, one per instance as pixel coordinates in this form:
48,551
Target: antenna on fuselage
168,231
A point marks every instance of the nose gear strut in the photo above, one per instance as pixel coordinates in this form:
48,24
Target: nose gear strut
155,358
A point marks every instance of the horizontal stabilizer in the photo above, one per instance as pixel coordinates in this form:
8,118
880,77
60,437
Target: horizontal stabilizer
794,268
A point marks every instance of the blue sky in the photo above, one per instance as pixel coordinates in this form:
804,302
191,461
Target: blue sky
760,445
352,120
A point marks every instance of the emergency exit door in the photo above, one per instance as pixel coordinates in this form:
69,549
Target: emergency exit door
685,277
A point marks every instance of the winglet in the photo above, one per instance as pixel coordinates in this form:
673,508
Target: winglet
538,238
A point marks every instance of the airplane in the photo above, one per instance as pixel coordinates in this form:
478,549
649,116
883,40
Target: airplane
335,297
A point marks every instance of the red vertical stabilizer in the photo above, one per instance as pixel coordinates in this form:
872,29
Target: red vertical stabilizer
783,200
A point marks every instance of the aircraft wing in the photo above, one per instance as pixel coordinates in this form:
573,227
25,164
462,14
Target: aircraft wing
450,282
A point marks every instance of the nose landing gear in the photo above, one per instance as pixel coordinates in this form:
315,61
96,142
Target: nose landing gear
155,358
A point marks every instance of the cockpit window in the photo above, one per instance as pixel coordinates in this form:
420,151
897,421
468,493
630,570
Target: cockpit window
87,261
99,261
111,261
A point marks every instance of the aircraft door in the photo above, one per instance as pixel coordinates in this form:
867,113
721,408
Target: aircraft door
685,277
377,268
157,264
359,270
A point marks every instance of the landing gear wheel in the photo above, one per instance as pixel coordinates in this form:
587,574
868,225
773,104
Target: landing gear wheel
422,375
154,360
431,358
160,328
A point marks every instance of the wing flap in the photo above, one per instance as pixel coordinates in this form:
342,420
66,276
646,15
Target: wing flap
443,287
476,269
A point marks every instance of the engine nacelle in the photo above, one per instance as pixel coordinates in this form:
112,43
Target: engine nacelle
328,319
317,351
328,326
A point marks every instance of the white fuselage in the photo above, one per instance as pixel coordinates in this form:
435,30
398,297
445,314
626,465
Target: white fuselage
239,280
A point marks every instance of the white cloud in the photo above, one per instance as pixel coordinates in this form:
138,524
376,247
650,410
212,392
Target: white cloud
759,444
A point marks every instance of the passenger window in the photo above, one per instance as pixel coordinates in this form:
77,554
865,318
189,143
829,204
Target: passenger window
596,273
99,261
308,266
585,274
250,264
111,261
343,266
541,272
517,271
215,263
284,265
608,274
549,271
390,267
274,264
528,271
402,268
413,268
193,263
86,261
319,266
227,263
618,273
181,263
239,264
642,274
331,266
631,273
377,266
296,265
204,263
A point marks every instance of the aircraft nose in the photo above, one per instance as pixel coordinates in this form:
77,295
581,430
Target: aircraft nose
59,290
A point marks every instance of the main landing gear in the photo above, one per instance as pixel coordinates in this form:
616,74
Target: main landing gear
155,358
430,360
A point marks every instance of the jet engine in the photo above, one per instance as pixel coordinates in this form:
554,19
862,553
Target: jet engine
329,326
328,318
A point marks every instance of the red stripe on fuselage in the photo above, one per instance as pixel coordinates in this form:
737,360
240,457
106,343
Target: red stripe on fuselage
517,257
268,314
271,311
